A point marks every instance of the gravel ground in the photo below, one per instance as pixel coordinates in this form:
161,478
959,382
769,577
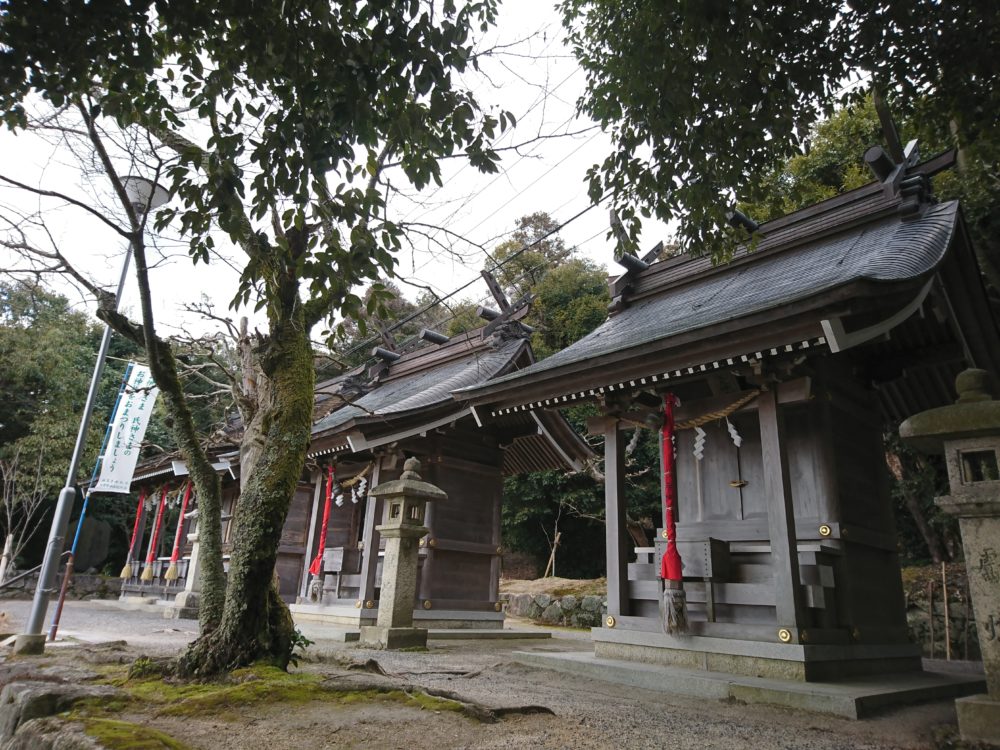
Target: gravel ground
586,713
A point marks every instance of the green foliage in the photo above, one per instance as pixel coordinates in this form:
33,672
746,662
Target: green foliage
301,124
832,165
536,504
517,270
571,301
462,318
704,100
46,357
115,734
297,647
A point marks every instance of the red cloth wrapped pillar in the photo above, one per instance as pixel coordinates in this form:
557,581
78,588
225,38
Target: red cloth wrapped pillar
130,556
670,567
147,572
317,563
175,553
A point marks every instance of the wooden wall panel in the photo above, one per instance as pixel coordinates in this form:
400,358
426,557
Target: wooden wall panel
752,499
469,512
459,575
296,527
807,469
704,492
289,568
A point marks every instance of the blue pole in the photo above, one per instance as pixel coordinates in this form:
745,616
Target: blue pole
100,457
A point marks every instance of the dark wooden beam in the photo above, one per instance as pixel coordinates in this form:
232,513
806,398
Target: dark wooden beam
507,314
496,291
789,604
615,519
795,391
370,540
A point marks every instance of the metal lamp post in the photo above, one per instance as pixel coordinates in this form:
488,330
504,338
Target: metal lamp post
144,195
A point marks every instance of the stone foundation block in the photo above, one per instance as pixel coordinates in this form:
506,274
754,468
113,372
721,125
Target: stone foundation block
373,636
979,719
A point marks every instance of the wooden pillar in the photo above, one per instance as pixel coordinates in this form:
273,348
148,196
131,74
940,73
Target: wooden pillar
370,540
614,514
495,562
425,572
789,603
318,479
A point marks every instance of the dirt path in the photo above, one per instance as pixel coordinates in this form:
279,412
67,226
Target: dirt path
585,713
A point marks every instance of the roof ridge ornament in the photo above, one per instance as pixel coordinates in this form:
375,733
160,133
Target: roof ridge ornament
505,318
914,190
634,265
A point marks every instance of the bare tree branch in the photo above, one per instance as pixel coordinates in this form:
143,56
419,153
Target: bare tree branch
68,199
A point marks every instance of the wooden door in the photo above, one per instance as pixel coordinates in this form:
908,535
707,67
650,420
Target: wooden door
292,548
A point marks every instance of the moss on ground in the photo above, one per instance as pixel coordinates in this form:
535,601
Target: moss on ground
123,735
224,699
557,587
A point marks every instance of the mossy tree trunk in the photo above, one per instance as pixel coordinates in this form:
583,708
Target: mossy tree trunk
256,625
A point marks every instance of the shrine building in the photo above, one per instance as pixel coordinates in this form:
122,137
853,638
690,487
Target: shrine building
789,363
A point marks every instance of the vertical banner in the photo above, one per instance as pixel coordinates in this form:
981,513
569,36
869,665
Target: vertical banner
128,427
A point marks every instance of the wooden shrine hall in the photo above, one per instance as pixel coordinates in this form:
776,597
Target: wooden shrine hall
367,422
789,362
404,408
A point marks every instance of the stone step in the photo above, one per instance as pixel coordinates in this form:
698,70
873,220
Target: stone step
853,699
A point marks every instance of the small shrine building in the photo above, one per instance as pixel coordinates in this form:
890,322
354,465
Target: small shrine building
789,363
367,422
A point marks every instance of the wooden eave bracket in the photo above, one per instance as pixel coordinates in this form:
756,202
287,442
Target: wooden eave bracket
839,339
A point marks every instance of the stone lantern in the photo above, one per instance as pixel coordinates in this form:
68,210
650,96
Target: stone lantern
968,433
405,500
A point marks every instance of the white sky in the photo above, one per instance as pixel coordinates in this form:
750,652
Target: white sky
540,86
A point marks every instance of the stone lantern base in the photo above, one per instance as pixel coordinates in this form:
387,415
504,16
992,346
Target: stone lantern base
979,718
375,636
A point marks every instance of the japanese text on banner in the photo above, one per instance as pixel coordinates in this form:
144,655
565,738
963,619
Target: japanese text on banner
128,427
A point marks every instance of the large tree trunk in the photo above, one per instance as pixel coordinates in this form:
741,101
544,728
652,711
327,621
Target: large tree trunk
256,625
206,481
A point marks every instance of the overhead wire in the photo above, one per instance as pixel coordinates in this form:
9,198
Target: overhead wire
441,299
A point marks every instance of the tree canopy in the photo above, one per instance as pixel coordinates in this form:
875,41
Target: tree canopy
276,123
704,100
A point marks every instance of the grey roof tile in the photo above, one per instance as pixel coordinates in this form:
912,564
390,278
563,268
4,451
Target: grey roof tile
425,388
884,250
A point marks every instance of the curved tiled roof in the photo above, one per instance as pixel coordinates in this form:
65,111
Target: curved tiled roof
424,388
885,250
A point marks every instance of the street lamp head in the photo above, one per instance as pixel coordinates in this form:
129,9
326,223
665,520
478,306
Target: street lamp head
144,194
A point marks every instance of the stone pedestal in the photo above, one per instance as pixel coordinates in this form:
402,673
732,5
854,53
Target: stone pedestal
29,644
979,718
968,433
405,502
185,604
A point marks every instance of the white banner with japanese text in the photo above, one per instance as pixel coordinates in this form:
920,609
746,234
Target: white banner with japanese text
128,427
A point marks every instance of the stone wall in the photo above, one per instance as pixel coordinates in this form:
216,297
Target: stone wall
923,589
83,586
545,609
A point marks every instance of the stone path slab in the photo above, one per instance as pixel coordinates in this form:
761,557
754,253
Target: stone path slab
853,699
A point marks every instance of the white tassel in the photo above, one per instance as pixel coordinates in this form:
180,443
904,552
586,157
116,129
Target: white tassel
699,443
737,440
338,500
674,604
